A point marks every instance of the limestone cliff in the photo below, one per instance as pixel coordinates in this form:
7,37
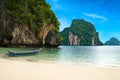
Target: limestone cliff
27,22
80,32
44,32
22,35
73,39
52,39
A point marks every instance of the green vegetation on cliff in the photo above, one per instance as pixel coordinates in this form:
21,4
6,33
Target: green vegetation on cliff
84,30
36,15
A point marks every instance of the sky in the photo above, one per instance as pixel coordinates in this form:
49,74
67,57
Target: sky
104,14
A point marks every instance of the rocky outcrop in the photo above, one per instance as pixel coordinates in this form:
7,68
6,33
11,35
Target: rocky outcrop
49,37
73,39
44,32
24,23
80,32
52,39
22,35
93,41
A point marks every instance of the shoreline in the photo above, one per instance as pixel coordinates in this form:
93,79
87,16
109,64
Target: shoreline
25,70
60,62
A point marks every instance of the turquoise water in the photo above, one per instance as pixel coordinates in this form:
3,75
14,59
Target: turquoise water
92,55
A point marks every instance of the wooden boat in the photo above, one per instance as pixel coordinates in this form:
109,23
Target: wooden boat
26,53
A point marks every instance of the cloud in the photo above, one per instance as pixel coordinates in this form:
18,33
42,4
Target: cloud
95,16
59,8
56,6
63,23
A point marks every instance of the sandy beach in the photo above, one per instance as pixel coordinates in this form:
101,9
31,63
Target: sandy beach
24,70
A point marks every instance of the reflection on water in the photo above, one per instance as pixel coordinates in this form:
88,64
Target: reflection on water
98,55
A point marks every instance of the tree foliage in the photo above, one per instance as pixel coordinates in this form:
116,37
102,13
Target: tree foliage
34,13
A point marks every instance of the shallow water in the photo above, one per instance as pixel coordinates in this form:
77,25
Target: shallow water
92,55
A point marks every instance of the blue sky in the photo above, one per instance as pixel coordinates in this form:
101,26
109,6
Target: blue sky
104,14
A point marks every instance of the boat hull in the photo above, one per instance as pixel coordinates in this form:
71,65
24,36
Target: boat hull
13,54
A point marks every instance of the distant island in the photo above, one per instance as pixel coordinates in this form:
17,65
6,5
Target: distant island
28,23
80,32
112,41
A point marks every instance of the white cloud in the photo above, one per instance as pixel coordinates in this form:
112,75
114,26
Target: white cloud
63,23
56,6
95,16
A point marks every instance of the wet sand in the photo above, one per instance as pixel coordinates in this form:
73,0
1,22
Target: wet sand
24,70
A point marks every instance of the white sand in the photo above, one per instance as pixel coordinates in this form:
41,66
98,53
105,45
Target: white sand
23,70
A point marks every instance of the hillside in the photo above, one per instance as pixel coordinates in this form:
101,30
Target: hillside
80,32
112,41
28,22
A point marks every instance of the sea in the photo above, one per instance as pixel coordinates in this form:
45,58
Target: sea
87,55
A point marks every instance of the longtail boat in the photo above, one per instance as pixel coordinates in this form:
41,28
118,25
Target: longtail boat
26,53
